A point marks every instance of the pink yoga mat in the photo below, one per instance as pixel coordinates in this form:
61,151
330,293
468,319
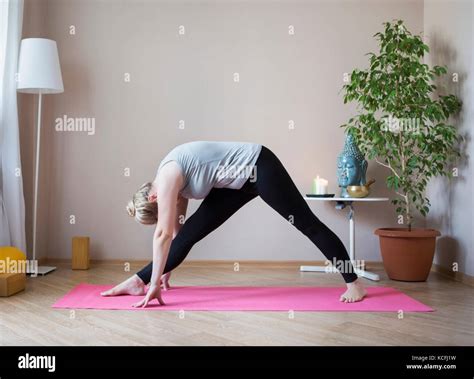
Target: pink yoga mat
199,298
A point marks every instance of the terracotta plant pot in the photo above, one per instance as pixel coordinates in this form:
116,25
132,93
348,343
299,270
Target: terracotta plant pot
407,255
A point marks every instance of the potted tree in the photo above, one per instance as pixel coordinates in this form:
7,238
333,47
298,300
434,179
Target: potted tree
403,126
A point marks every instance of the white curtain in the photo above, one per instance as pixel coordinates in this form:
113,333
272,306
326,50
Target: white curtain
12,203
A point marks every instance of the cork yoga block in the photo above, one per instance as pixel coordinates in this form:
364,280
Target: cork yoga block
11,284
80,253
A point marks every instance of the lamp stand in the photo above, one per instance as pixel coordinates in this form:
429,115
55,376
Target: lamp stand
42,270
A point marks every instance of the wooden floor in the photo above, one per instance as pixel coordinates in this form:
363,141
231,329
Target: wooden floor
28,319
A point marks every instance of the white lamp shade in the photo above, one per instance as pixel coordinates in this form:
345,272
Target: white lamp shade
38,67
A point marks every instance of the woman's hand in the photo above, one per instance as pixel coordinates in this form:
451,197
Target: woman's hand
154,292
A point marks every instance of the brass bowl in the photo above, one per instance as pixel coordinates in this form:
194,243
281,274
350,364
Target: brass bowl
358,191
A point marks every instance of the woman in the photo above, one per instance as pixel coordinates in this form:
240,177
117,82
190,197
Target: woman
226,175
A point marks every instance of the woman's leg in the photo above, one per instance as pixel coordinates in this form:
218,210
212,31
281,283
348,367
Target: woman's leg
216,208
277,189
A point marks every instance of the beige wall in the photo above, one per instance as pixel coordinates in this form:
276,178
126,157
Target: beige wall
190,78
448,29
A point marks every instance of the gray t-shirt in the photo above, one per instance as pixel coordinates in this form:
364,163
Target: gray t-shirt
207,165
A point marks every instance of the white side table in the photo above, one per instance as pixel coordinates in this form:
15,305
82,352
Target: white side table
341,203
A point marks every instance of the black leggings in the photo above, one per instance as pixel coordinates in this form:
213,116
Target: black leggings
275,186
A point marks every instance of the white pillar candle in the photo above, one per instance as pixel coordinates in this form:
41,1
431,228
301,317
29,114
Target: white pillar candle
314,186
323,186
320,186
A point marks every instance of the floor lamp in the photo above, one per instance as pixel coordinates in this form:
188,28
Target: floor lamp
39,73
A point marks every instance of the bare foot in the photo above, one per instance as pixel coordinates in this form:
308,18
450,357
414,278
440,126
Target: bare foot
355,292
132,286
165,281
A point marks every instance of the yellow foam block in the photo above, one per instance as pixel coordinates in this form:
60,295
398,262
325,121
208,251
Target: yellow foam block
12,283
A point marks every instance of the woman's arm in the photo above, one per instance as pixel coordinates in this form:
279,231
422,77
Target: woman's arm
168,183
181,209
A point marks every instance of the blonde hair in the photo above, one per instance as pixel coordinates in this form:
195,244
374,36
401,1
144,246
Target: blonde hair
144,211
